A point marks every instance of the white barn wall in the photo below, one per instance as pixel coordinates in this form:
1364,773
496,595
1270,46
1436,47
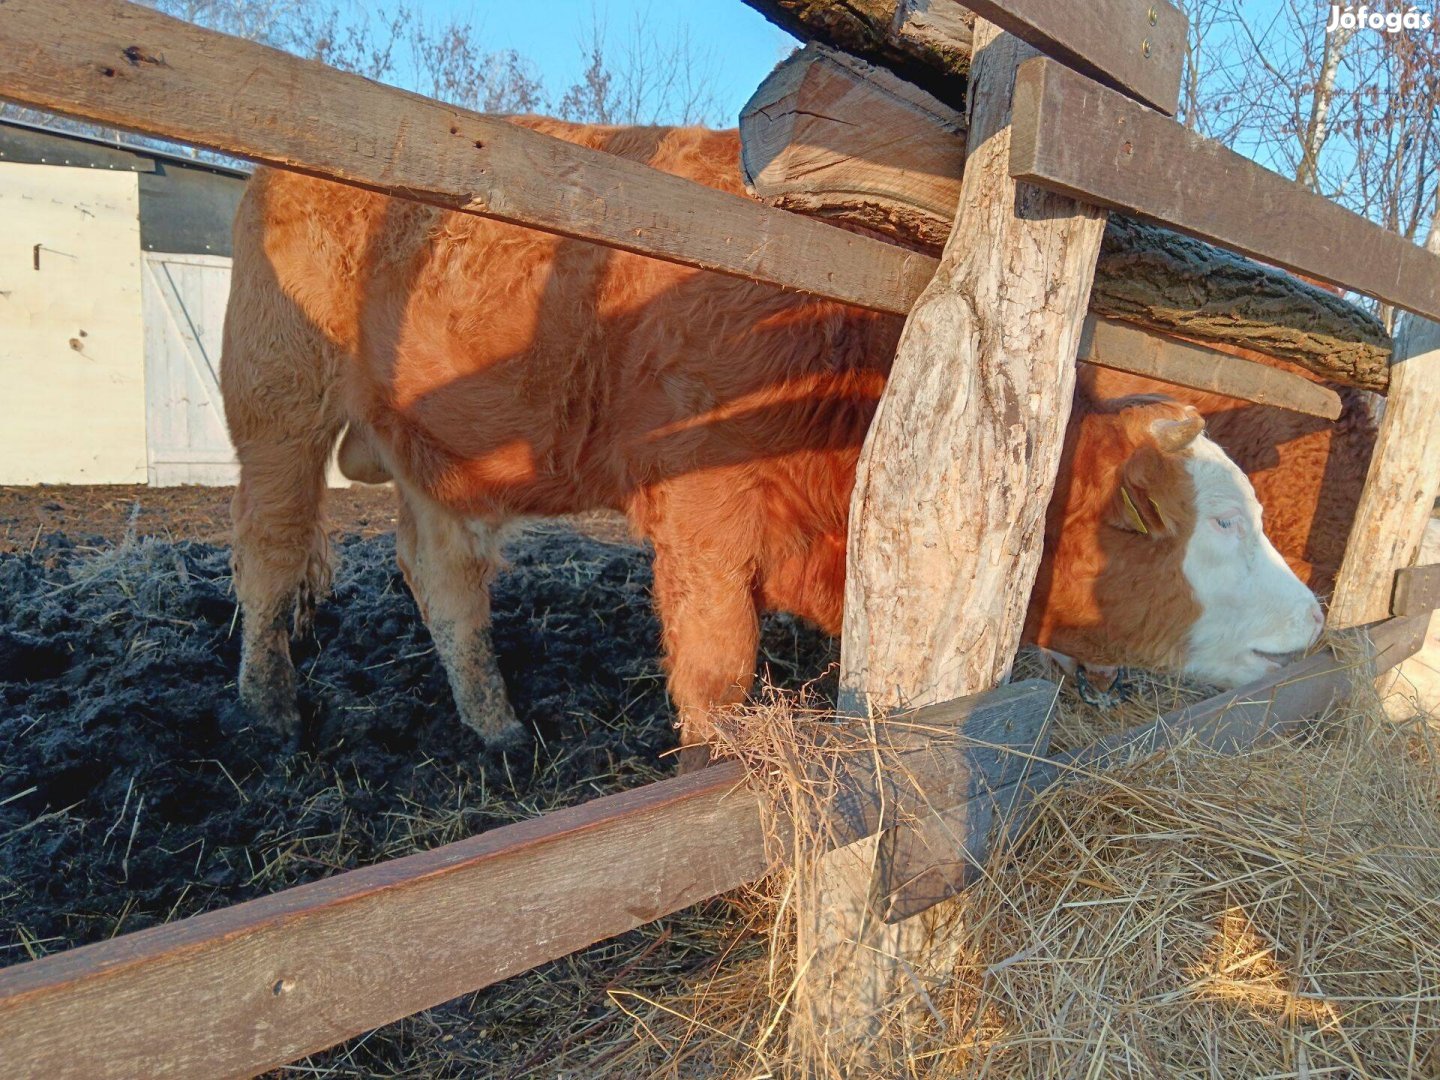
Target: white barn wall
139,400
72,367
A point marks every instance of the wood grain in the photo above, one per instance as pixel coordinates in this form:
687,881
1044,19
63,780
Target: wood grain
923,867
1417,590
947,517
250,987
1079,138
1135,46
925,42
242,990
1123,347
125,65
1401,485
950,754
827,130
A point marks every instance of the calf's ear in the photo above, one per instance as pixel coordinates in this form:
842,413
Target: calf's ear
1172,436
1140,494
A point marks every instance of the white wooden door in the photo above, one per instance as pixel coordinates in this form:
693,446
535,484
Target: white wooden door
183,300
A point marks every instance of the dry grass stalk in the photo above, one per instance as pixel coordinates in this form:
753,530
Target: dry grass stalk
1185,914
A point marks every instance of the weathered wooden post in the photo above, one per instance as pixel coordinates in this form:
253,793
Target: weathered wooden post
1403,480
947,519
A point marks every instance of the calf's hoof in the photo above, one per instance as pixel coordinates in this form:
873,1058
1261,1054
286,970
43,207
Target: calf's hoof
271,706
510,737
491,716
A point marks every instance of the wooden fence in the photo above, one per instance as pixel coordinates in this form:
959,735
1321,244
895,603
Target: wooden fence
241,990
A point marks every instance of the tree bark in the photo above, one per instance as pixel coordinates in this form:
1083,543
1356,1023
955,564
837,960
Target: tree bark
831,137
925,42
947,519
1159,279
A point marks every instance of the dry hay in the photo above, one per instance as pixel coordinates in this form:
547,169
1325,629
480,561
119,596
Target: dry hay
1288,896
1188,914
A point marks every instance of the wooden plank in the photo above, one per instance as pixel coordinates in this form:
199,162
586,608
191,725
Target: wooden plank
927,865
1135,46
829,136
1232,722
1401,484
248,988
942,755
1080,138
970,428
1417,590
245,989
125,65
1123,347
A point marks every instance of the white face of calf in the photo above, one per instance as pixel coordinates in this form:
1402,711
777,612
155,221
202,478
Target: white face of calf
1254,610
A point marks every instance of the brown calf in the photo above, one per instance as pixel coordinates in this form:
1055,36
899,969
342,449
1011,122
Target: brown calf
495,373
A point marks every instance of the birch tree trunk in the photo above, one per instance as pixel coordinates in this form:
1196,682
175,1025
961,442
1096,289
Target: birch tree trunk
947,519
1316,130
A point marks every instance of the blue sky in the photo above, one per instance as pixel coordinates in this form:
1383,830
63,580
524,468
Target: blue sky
549,32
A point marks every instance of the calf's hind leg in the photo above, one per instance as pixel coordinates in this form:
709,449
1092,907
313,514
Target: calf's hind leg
706,601
274,374
449,565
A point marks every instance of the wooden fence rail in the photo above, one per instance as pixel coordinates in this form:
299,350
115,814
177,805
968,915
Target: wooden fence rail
1080,138
248,988
241,990
1135,46
916,874
1417,590
131,67
122,64
1122,347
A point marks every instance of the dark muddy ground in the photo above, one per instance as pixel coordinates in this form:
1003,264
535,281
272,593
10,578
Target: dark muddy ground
133,791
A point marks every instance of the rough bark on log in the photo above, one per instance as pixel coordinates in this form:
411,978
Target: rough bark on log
810,111
1160,279
925,42
947,518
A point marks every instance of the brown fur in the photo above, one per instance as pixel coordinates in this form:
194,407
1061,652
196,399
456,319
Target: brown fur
497,372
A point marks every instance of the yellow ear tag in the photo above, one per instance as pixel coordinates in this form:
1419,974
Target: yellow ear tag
1135,518
1163,523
